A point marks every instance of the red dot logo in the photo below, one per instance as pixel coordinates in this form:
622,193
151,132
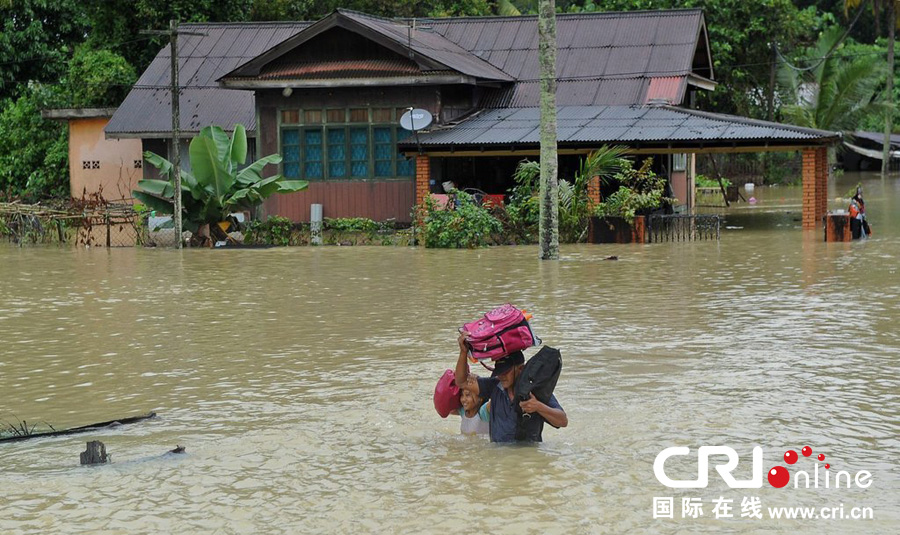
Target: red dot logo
790,456
827,466
806,451
821,457
779,477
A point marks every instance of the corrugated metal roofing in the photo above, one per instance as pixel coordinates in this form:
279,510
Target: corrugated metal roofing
877,137
431,45
603,59
147,110
669,89
618,124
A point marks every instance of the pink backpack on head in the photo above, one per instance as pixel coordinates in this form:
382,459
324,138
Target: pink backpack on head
500,332
446,394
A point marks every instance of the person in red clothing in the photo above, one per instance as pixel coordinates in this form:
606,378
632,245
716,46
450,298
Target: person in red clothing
859,225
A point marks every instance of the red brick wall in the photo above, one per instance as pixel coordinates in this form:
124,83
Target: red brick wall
423,178
593,190
815,186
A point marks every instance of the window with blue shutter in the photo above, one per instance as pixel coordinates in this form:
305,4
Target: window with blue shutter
312,153
337,153
290,153
365,146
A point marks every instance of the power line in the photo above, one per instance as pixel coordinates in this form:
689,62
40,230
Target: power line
830,51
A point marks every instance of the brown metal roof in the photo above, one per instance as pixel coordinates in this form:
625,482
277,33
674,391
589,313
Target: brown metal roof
603,59
593,47
652,126
146,111
622,51
429,50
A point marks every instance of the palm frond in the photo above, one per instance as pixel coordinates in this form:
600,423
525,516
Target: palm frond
507,9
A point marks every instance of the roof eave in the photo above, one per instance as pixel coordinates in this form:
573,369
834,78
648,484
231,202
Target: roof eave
64,114
185,134
701,82
425,79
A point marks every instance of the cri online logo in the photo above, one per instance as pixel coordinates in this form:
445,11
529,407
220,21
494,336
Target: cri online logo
778,476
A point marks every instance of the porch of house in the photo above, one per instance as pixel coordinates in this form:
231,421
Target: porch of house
656,130
493,174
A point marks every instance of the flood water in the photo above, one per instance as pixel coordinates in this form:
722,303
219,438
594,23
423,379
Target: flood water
299,381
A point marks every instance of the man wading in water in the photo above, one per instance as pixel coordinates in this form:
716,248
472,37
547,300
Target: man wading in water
500,389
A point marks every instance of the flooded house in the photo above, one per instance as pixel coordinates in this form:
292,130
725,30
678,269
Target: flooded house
328,96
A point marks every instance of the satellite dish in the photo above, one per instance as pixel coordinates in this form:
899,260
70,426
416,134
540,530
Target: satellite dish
416,119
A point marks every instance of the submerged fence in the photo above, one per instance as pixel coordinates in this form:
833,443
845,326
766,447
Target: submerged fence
678,227
93,224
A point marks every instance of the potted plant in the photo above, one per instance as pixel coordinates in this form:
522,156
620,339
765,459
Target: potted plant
217,185
620,217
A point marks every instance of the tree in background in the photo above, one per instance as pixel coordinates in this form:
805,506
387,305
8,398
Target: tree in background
118,30
837,92
891,10
33,151
97,78
36,40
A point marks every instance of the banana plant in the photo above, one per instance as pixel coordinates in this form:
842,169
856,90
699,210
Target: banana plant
216,185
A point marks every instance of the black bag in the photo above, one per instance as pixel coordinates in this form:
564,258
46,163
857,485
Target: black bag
538,377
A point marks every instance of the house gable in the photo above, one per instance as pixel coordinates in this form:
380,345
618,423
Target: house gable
352,46
339,53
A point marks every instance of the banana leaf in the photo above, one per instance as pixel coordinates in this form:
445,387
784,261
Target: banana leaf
253,172
208,169
154,203
238,149
162,188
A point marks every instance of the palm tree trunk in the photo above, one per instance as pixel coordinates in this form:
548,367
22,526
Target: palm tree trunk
548,228
889,114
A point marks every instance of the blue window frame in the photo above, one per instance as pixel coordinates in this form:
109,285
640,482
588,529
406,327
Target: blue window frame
359,152
337,152
384,150
363,147
312,153
290,151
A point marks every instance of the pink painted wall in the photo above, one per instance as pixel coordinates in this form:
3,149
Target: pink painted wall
680,187
94,161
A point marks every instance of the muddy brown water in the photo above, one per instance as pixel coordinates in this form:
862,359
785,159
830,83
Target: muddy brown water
300,379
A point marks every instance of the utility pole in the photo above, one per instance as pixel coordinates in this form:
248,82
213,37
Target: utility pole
889,91
173,33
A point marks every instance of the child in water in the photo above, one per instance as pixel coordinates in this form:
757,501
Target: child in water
475,413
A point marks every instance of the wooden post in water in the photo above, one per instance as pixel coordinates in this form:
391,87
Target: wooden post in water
95,453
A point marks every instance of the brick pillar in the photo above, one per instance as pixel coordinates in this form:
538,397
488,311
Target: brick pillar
815,186
821,185
423,178
593,190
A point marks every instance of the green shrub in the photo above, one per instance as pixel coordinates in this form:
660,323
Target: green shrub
523,211
276,230
341,227
703,181
521,214
640,191
462,225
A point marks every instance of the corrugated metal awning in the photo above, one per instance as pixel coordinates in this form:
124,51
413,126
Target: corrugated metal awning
631,125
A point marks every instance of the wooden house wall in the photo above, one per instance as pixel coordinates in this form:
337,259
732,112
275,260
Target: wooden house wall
377,199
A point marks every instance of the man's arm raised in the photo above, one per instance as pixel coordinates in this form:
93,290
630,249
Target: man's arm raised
463,380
